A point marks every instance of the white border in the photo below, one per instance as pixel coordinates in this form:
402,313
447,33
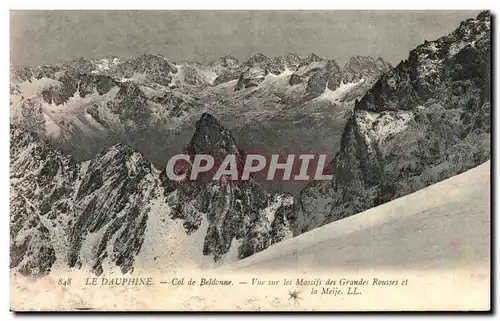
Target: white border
254,5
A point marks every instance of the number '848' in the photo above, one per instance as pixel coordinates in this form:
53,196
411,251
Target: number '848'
64,282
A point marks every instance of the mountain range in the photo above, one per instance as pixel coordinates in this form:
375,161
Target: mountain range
89,140
93,104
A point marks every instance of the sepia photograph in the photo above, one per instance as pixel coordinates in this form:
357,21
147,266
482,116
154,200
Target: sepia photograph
250,160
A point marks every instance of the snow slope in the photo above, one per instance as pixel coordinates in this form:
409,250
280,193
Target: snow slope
444,225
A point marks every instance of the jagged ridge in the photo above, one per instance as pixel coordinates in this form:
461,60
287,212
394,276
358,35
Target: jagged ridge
423,121
86,215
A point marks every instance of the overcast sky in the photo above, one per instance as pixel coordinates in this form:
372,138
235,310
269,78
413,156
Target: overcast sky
44,37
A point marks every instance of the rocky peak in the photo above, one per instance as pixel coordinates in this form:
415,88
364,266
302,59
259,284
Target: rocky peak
424,121
292,58
382,63
46,71
227,68
364,67
310,59
80,65
20,74
458,59
255,69
366,64
234,210
156,67
279,64
484,15
257,60
117,154
211,138
228,61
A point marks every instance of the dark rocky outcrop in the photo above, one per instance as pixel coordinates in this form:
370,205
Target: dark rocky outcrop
239,211
422,122
155,67
84,214
72,202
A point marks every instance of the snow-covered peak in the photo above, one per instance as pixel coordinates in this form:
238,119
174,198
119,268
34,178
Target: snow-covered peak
435,68
423,121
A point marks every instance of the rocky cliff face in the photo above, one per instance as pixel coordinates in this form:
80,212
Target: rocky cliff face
227,68
94,214
316,77
78,213
364,72
423,121
259,66
236,211
155,67
280,64
42,181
